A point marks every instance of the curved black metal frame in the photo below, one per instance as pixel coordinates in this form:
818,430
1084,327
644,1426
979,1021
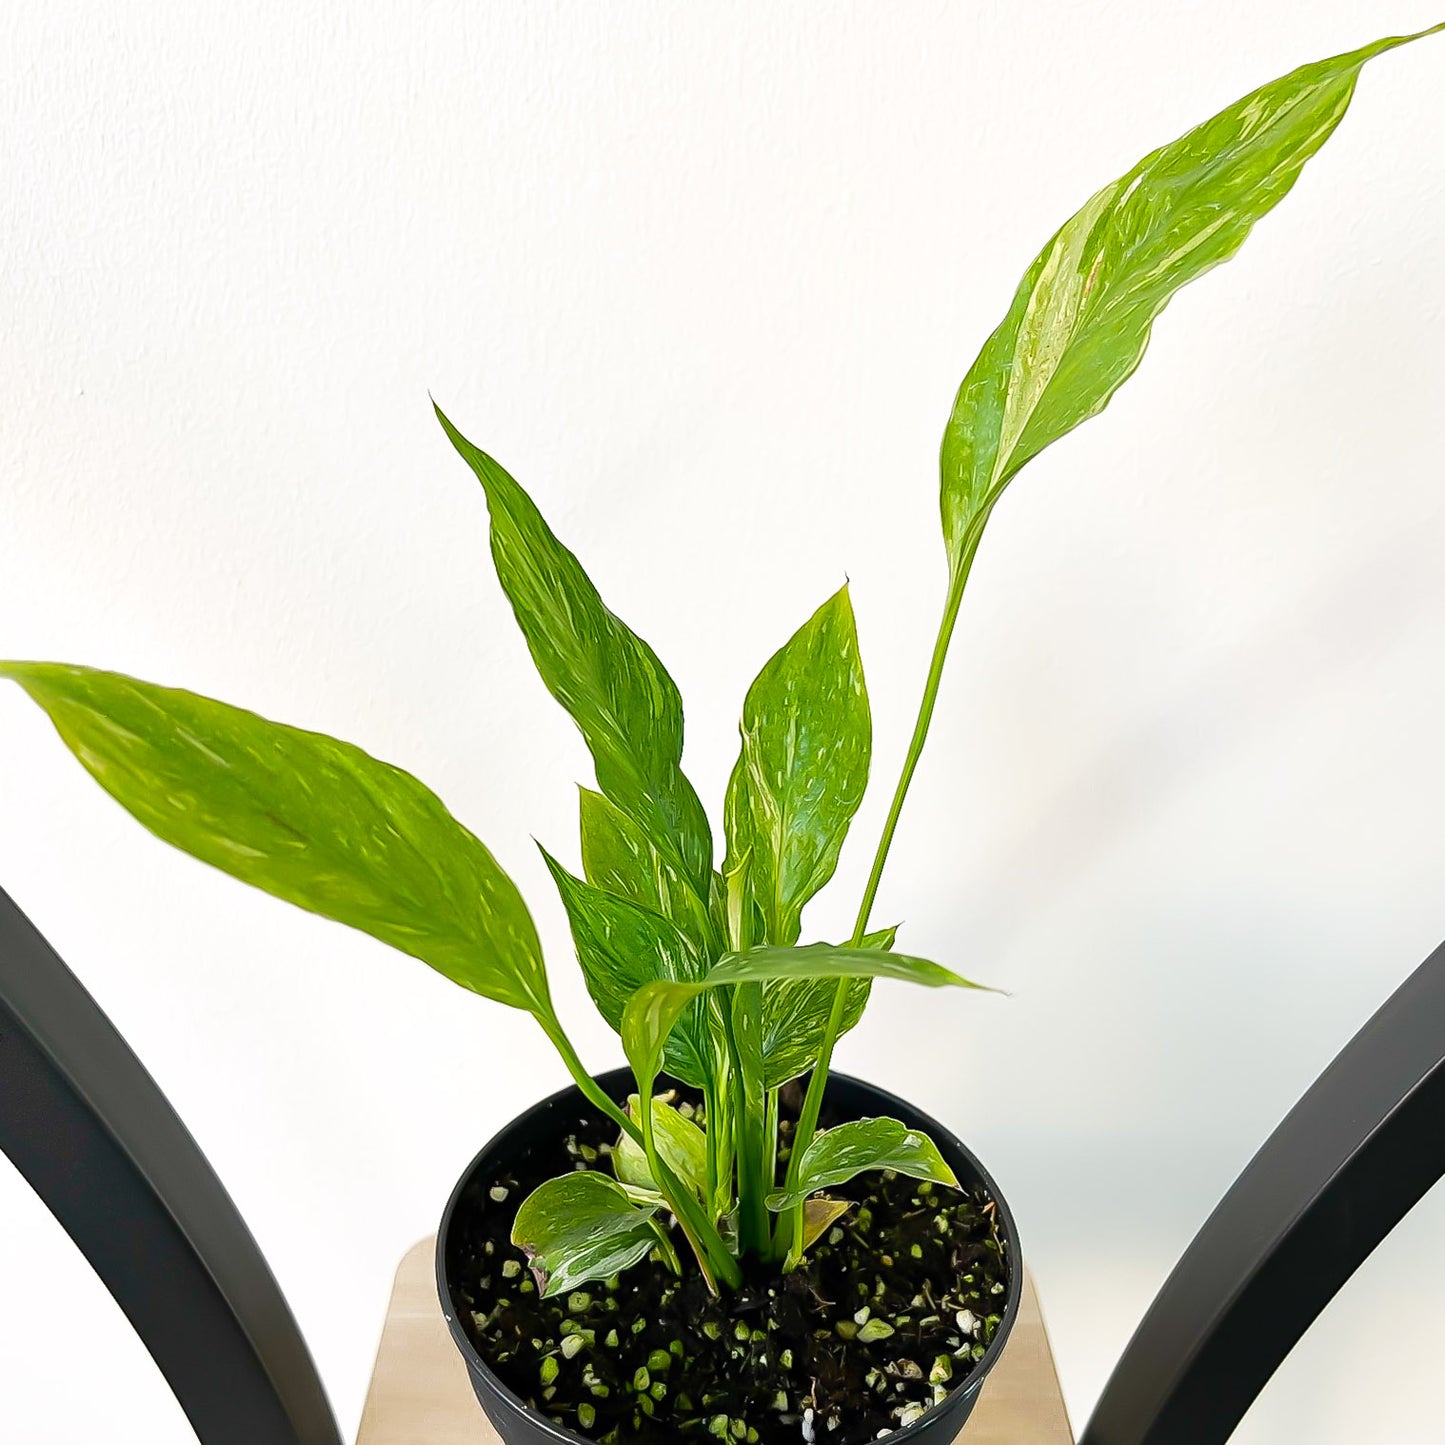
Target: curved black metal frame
95,1137
1355,1154
98,1141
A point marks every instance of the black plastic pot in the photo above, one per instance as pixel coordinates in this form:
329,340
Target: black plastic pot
518,1424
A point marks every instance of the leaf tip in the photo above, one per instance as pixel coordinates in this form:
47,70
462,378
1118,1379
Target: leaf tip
471,454
30,676
560,875
540,1272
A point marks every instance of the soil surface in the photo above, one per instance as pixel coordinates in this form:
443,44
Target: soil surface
889,1312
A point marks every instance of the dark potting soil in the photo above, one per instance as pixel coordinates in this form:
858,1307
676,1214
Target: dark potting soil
890,1310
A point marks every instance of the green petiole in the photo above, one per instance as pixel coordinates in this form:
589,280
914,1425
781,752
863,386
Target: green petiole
817,1083
713,1255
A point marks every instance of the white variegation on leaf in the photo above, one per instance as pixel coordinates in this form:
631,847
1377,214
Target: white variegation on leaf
654,1010
618,857
795,1016
302,816
1081,318
802,769
682,1145
837,1155
581,1227
620,696
620,947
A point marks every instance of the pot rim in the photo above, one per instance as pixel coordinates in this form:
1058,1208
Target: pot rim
941,1135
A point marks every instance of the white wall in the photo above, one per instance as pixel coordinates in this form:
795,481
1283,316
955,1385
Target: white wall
706,278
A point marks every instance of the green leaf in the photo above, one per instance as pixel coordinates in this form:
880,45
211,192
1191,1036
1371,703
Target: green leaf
1082,315
680,1143
603,673
580,1227
754,1148
806,740
649,1018
618,857
837,1155
621,947
307,818
883,938
830,960
795,1016
653,1011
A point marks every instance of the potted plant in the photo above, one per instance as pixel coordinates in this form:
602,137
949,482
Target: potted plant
724,1240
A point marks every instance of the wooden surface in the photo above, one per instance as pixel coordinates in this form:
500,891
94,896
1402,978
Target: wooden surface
420,1394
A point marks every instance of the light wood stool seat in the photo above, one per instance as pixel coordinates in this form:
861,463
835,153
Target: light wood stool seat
420,1394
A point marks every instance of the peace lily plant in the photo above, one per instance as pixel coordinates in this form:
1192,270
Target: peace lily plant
699,968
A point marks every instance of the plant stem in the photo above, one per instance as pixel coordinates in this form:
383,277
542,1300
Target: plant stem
915,750
713,1122
584,1081
701,1234
723,1200
654,1164
770,1165
813,1101
753,1227
669,1254
770,1157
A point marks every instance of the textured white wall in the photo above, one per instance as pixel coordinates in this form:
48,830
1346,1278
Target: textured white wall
706,278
